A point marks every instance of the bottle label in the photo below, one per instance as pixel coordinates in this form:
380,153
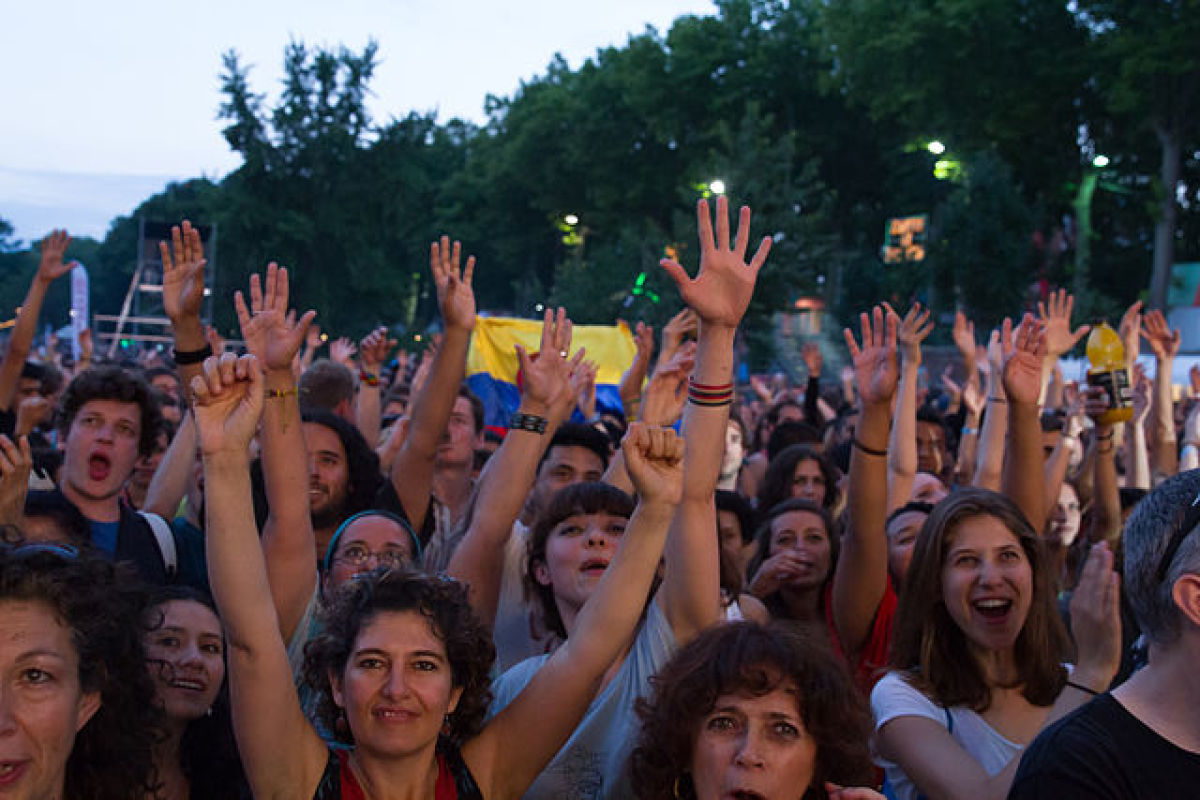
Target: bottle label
1115,384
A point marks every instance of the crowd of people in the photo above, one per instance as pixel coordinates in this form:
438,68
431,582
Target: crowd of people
266,574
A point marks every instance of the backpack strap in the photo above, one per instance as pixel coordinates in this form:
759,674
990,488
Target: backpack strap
166,541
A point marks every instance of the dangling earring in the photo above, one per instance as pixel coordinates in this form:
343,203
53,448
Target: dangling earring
445,724
675,788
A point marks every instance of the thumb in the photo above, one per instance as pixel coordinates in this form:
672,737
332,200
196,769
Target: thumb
676,271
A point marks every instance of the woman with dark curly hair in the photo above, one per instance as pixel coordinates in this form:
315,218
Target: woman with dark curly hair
197,758
802,473
749,711
794,561
78,712
402,663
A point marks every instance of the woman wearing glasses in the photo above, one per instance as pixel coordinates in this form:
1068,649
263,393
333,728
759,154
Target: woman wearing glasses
77,712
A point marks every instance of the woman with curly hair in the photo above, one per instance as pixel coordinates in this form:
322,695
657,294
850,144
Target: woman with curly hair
753,712
402,663
196,758
77,709
799,472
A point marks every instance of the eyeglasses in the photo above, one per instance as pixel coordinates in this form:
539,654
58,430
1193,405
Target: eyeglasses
357,555
1189,522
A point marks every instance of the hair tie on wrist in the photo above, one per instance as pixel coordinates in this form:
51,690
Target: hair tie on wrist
869,451
185,357
1082,688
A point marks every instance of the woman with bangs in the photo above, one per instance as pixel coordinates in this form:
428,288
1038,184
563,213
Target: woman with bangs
979,649
754,713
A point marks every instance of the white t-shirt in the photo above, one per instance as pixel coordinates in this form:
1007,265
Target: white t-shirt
894,697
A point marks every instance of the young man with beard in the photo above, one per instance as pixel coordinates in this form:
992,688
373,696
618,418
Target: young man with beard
109,419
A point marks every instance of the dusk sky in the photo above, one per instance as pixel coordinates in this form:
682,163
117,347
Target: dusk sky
105,103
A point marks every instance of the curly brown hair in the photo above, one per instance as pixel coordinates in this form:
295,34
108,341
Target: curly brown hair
752,659
101,604
927,643
111,382
443,602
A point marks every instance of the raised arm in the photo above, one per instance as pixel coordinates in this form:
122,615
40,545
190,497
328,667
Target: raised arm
170,481
274,337
518,743
372,352
1137,456
20,342
183,265
16,462
990,463
1106,494
973,401
510,472
267,716
719,294
860,578
1055,316
412,471
902,446
630,387
1164,342
1022,376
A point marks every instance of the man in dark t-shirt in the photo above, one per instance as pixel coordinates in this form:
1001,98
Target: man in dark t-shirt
1142,740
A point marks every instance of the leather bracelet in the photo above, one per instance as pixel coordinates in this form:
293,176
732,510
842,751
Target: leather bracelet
185,357
527,422
869,451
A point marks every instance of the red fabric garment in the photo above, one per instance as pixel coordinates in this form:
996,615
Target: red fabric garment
871,664
444,789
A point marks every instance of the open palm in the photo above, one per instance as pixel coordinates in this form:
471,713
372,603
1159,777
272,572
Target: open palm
270,332
875,367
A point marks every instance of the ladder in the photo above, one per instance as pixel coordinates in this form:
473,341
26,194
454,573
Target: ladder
142,318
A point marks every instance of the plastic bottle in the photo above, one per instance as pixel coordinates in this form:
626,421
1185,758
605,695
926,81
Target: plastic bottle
1108,370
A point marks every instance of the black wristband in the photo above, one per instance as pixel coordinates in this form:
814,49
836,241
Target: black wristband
527,422
185,357
868,450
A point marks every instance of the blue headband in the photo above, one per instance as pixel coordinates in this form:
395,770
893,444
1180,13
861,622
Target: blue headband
370,512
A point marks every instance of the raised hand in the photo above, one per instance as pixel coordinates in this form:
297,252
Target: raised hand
1163,341
228,401
810,353
16,462
722,289
183,273
1131,331
875,362
654,458
455,296
973,398
913,329
373,350
1142,390
313,338
583,381
677,328
666,392
964,337
268,330
85,346
1096,620
1023,357
643,340
1056,317
546,377
31,412
342,351
51,267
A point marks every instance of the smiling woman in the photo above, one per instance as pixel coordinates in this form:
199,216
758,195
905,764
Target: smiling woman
76,704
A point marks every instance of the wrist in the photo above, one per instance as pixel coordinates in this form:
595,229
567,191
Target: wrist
228,458
188,332
537,408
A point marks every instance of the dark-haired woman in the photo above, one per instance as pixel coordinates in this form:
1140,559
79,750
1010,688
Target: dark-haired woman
802,473
797,548
77,715
978,650
196,759
402,662
748,711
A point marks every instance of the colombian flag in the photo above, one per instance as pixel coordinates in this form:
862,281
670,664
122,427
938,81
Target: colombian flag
492,362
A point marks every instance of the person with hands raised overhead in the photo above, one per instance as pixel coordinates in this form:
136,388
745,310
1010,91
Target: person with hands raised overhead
402,661
372,352
490,556
1164,343
432,472
1023,474
572,537
51,267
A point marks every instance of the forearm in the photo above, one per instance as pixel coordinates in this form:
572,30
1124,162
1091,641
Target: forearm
616,474
1137,456
1166,456
902,445
1023,475
188,332
1106,495
991,438
968,447
367,415
288,543
235,558
170,481
1055,470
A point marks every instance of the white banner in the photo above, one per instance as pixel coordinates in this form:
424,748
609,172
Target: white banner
79,306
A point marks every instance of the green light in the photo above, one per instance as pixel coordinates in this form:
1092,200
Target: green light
947,169
641,279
